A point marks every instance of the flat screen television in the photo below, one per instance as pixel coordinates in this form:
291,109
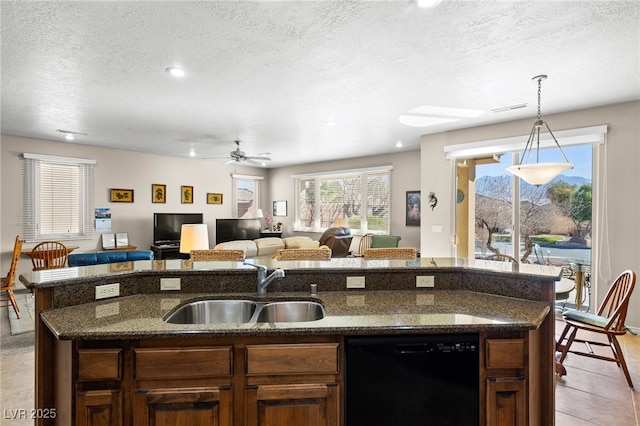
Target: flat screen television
237,229
167,226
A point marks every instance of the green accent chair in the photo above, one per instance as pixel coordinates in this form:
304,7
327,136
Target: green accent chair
385,241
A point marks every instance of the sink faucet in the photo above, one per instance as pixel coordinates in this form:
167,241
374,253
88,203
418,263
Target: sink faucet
264,280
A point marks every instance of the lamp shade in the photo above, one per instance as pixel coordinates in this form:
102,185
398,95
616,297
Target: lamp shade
341,223
194,237
539,173
259,213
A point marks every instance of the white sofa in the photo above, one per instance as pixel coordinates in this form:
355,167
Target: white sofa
267,246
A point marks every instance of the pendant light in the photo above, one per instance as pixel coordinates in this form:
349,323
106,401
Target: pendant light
539,173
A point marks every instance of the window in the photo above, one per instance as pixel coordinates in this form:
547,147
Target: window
58,198
246,195
359,199
548,224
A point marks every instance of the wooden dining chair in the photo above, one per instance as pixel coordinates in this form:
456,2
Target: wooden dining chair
609,322
9,283
49,255
230,255
320,253
365,243
402,253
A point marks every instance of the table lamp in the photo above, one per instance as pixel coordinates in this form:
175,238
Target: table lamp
194,237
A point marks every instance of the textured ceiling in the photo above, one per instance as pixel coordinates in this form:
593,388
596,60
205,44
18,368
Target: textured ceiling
274,73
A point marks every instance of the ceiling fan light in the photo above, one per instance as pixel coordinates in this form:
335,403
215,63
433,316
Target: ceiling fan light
539,173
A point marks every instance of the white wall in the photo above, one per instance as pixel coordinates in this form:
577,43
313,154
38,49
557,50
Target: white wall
617,207
405,177
118,169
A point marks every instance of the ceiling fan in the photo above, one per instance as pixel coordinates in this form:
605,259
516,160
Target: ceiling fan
238,156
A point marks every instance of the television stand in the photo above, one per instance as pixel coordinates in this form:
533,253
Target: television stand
161,252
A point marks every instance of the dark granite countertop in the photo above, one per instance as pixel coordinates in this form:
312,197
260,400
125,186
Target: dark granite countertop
66,276
347,313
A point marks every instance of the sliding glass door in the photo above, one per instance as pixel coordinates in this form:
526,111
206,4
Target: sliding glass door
497,213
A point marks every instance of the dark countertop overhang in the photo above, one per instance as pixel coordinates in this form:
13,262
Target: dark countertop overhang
348,313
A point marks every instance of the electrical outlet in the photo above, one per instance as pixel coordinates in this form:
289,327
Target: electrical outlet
425,281
169,283
107,309
355,282
107,290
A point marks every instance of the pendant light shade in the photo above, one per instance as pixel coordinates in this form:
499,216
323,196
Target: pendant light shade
539,173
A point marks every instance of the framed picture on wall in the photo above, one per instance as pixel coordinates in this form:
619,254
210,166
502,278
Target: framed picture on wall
413,208
187,194
121,195
158,193
214,198
279,208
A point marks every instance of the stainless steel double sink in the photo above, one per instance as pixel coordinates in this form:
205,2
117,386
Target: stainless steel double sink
221,311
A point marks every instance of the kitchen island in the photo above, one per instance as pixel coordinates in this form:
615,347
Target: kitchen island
116,361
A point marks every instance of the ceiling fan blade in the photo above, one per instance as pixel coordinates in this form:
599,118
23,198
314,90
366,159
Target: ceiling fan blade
258,158
256,162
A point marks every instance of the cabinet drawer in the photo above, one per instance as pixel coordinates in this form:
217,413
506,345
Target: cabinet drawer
312,358
99,364
505,353
168,363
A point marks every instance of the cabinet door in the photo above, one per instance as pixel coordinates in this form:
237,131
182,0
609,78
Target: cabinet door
292,404
98,408
190,406
506,401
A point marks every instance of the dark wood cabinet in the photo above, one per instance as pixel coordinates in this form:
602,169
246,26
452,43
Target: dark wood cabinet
212,406
295,384
313,404
251,381
99,408
505,382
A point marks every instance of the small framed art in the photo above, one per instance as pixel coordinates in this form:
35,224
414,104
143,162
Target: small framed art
214,198
413,208
121,195
187,194
158,193
279,208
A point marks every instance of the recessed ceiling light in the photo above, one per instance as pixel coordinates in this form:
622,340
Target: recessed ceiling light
175,71
331,123
399,144
428,3
192,153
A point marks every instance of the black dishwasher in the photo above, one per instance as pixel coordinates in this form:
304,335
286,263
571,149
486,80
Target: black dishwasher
412,380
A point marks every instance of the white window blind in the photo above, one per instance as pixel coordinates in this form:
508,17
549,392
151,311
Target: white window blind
359,199
58,198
